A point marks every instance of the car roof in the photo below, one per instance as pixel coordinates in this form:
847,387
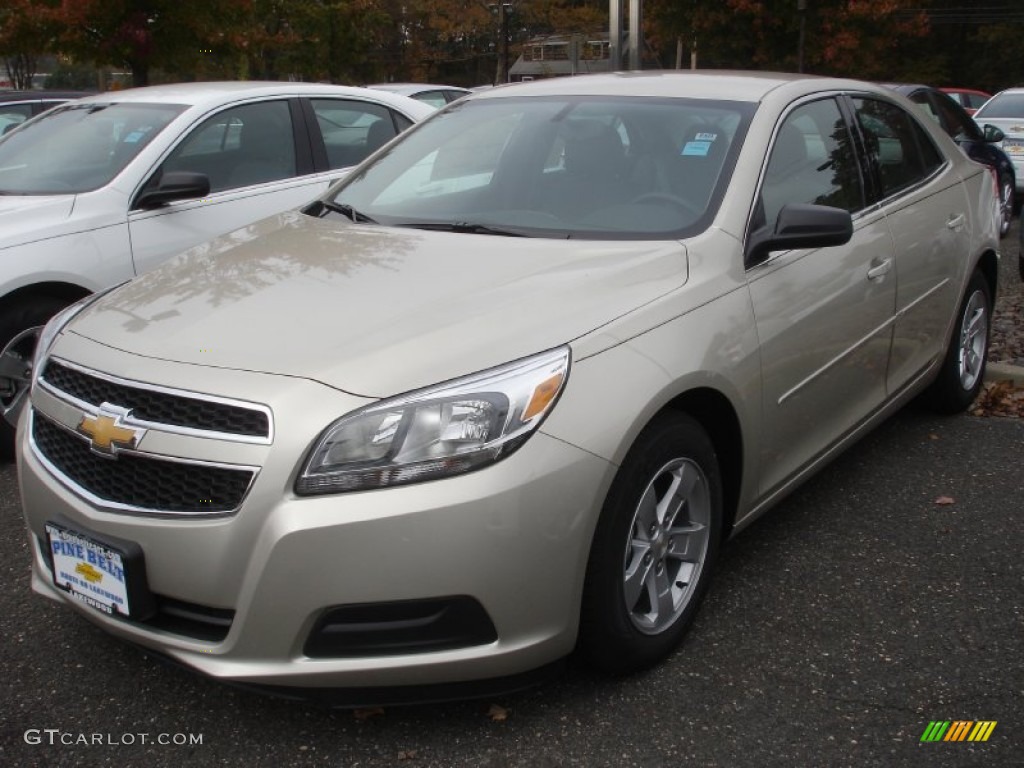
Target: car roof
212,94
410,88
9,96
701,84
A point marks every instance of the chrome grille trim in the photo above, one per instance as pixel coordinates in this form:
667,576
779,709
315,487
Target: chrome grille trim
119,507
132,420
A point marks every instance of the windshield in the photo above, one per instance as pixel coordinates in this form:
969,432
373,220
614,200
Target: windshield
78,147
589,167
1010,105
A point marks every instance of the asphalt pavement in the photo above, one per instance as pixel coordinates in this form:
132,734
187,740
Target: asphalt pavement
885,594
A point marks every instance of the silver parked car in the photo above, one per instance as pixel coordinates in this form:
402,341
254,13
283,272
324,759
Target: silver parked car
505,390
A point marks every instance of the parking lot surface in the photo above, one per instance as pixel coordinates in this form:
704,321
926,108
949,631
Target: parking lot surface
885,594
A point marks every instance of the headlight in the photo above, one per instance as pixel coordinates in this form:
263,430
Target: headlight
445,430
57,324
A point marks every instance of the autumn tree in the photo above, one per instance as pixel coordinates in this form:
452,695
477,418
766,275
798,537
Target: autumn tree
145,34
27,30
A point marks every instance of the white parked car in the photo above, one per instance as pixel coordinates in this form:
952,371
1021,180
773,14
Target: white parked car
504,392
106,187
435,95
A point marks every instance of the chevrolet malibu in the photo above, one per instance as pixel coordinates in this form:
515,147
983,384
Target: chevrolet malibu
503,392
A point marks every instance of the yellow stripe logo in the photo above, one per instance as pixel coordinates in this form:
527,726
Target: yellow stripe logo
958,730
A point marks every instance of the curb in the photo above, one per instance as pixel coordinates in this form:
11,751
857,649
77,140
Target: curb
1005,372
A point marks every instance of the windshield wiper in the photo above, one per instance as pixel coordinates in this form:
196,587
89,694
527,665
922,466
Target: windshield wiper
465,227
345,210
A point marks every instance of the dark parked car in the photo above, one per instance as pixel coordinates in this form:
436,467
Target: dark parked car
18,106
978,143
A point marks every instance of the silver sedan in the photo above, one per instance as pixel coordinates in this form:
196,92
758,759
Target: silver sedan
504,391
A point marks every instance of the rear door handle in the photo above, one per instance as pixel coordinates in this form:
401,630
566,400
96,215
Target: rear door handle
879,268
956,222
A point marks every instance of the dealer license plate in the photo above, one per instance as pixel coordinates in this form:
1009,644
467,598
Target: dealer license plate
88,570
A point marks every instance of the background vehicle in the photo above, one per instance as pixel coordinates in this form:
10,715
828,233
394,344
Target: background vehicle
18,106
503,392
967,98
106,187
1005,111
979,145
434,95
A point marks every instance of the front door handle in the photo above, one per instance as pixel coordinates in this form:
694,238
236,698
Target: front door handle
956,222
879,268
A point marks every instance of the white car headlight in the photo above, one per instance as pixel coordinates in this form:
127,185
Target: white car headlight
436,432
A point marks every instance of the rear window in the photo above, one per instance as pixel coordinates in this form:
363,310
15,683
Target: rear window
1003,105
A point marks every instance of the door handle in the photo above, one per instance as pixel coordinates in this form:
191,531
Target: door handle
956,222
879,268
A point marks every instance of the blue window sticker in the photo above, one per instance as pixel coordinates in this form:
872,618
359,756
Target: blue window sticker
696,148
134,136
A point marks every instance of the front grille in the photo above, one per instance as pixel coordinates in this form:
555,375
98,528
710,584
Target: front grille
138,481
176,410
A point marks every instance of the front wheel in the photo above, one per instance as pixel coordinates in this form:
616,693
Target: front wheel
963,369
20,324
654,548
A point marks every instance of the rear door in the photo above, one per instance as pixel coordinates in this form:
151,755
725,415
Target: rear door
926,209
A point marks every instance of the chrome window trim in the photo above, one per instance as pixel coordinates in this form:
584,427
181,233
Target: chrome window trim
116,506
159,425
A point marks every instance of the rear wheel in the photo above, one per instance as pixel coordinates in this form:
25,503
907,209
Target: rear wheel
654,548
20,324
963,370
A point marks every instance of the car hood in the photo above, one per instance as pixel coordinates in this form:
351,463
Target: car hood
25,218
376,311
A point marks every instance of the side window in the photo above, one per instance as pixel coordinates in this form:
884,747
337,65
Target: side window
901,148
13,115
352,130
240,146
957,123
812,161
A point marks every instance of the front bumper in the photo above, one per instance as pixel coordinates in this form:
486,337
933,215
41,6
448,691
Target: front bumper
513,537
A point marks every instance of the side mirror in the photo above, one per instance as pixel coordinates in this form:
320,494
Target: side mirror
176,185
993,134
800,226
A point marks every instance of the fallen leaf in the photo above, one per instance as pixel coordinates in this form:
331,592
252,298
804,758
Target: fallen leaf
497,713
407,754
945,500
933,436
365,714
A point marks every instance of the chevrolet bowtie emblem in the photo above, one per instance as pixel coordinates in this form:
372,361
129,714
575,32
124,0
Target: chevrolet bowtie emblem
107,435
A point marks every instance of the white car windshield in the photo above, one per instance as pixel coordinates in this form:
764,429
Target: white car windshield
581,167
78,147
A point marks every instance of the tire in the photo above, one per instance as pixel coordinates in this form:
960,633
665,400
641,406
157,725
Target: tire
22,313
642,546
963,369
1007,205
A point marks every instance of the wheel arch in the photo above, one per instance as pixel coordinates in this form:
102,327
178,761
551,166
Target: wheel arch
719,419
69,292
988,265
